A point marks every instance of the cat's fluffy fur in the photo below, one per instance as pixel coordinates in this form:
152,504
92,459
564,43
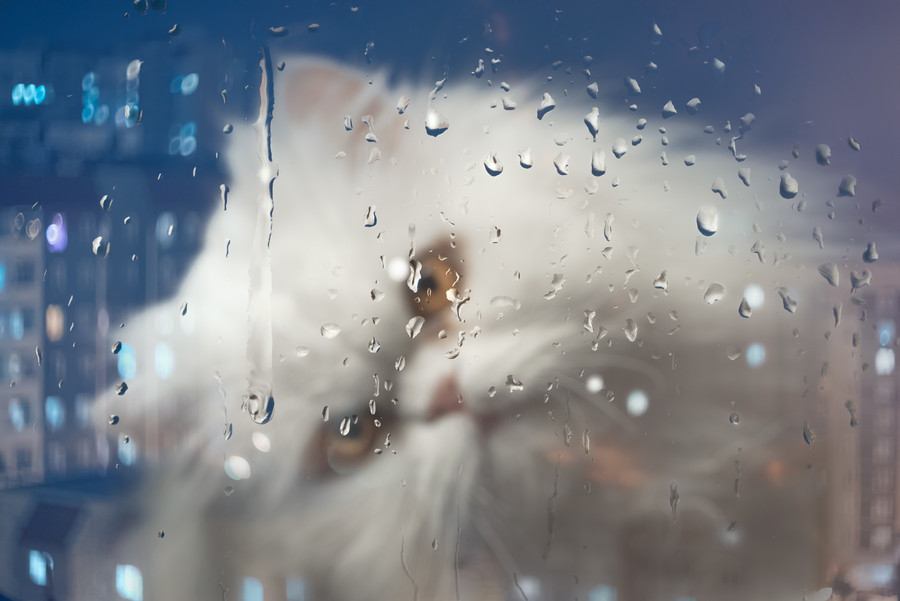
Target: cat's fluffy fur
454,511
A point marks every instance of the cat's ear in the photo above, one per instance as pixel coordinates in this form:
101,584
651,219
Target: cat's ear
338,101
313,87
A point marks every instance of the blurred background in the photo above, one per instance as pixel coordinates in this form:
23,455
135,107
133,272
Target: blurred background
127,102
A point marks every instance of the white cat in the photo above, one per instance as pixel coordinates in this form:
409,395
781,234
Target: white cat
577,414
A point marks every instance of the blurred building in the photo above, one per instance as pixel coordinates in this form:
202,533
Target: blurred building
21,326
863,521
135,129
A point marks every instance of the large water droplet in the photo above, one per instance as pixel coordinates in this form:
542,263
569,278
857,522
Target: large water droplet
592,121
789,186
598,163
547,104
493,165
830,272
330,330
708,220
414,326
669,110
789,304
260,407
435,123
100,246
847,186
714,293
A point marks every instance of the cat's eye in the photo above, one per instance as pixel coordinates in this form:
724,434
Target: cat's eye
344,444
439,274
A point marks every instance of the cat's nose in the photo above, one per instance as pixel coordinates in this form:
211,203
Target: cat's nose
446,398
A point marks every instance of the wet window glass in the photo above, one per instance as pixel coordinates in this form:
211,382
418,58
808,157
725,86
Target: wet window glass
482,300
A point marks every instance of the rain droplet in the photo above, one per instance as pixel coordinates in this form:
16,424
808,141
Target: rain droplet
592,121
693,105
673,499
854,143
630,329
830,272
718,187
789,304
508,103
860,279
847,187
823,154
260,409
661,282
593,89
632,85
525,159
106,202
789,186
598,163
402,104
100,246
116,347
113,420
744,175
734,419
513,384
744,309
227,128
547,104
493,165
415,274
121,389
669,110
330,330
561,163
708,220
414,326
714,293
809,437
870,255
619,148
371,219
435,123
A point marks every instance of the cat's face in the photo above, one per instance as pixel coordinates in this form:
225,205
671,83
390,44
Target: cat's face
483,379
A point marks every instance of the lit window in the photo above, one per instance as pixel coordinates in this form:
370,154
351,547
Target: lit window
55,322
55,413
252,590
884,361
295,589
19,414
126,362
164,361
17,324
602,593
83,409
127,450
129,582
165,229
39,564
